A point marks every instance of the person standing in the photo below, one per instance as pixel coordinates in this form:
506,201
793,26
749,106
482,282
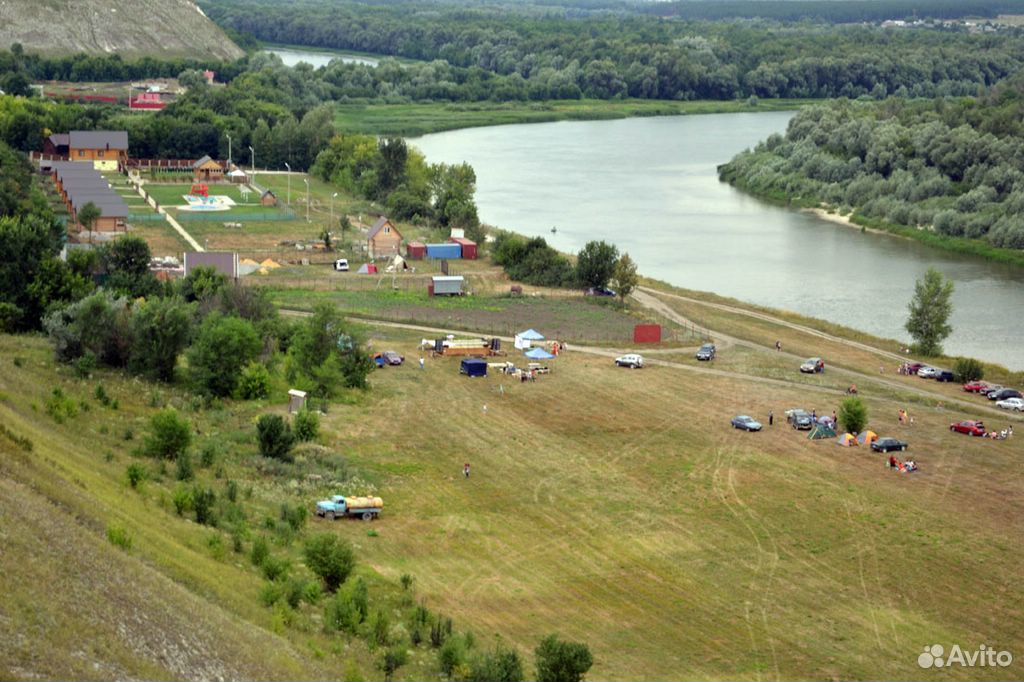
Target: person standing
422,363
771,417
465,469
778,345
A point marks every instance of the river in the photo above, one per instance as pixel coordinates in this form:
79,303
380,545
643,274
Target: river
291,57
650,186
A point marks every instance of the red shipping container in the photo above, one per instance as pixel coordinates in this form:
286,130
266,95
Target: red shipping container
468,247
416,251
647,333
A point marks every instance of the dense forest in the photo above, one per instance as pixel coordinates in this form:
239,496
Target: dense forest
526,52
954,167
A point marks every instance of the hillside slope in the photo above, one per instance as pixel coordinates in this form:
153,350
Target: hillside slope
158,28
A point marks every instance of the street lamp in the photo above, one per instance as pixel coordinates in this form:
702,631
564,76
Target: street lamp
253,159
306,180
229,151
289,184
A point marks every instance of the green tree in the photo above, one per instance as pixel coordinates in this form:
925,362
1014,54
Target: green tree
160,330
254,383
930,310
331,558
307,425
501,665
170,435
853,415
626,277
126,261
968,369
87,217
26,243
223,347
275,437
203,283
560,661
327,353
595,264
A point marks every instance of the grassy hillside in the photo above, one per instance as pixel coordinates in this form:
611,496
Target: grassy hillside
159,28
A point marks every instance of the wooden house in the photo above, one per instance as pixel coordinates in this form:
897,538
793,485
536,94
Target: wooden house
384,240
104,149
268,199
208,170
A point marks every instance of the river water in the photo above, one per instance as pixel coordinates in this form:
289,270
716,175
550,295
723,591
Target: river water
650,186
292,57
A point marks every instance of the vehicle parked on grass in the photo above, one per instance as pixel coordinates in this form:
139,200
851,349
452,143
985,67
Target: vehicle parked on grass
970,427
631,360
341,265
393,358
706,352
977,387
365,508
800,419
928,372
746,423
888,445
599,291
914,367
1012,404
813,366
945,375
1005,393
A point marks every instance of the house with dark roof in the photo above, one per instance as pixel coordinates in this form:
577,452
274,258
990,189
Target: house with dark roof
80,184
105,149
384,240
208,170
268,199
57,145
224,262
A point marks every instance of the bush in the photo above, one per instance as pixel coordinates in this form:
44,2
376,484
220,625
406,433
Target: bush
85,365
853,415
307,425
275,437
295,516
223,347
101,395
275,568
160,329
559,661
254,383
119,537
331,558
380,628
968,369
450,656
203,500
391,660
342,613
271,593
60,406
500,665
260,551
208,455
182,500
170,435
185,471
136,474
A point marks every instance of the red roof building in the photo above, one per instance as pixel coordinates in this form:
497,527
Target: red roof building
147,101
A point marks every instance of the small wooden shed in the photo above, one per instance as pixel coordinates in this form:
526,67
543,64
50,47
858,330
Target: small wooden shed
268,199
296,400
208,170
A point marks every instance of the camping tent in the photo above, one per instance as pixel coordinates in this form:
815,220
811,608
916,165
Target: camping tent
367,269
821,431
867,437
539,354
526,339
846,440
474,367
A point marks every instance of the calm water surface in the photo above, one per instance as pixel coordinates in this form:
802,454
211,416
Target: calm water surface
292,57
649,185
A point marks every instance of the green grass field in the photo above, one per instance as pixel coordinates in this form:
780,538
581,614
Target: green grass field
419,119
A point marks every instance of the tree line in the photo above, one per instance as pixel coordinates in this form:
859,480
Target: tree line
955,167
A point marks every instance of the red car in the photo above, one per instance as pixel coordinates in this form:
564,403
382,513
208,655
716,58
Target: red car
914,366
976,386
971,428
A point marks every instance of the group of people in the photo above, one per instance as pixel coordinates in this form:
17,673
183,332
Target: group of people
909,465
905,418
904,369
1001,435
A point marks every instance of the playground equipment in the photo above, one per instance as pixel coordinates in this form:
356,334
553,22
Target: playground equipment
200,191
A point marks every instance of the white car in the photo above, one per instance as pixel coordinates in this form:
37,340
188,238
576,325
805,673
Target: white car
928,372
633,361
1012,404
341,265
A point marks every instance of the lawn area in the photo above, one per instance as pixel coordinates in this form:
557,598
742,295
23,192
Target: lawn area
411,120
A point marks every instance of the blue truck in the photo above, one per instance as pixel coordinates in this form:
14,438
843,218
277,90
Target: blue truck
366,508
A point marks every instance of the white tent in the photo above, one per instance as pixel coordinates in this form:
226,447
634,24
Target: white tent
527,338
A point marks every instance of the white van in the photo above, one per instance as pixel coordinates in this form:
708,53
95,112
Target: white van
341,265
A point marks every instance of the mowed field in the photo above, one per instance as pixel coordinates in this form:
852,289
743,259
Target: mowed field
619,508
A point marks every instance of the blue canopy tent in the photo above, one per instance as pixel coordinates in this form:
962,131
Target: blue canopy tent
539,354
526,339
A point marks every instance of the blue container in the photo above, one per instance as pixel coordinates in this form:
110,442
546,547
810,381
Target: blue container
444,251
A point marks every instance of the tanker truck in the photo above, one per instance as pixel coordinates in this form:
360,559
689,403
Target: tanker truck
365,508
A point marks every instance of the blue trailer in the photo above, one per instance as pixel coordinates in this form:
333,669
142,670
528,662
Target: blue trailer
474,367
444,251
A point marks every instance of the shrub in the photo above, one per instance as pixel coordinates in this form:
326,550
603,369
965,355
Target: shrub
203,500
260,551
254,383
101,395
450,656
342,613
160,329
500,665
275,568
295,516
307,425
60,406
185,471
407,581
85,365
330,558
968,369
170,435
853,415
271,593
275,437
182,500
231,491
208,455
223,347
391,660
119,537
559,661
136,474
380,628
439,631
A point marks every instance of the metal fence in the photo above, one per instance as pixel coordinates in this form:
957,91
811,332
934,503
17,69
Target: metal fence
281,214
145,218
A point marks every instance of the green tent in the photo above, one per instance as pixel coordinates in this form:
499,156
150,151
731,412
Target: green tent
821,431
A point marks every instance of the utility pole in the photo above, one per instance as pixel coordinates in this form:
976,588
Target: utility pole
229,152
253,159
289,202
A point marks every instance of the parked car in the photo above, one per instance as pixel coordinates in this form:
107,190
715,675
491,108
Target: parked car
632,360
927,372
977,386
706,352
599,291
341,265
800,419
393,358
1012,404
971,428
888,445
1005,393
914,367
812,366
995,388
746,423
